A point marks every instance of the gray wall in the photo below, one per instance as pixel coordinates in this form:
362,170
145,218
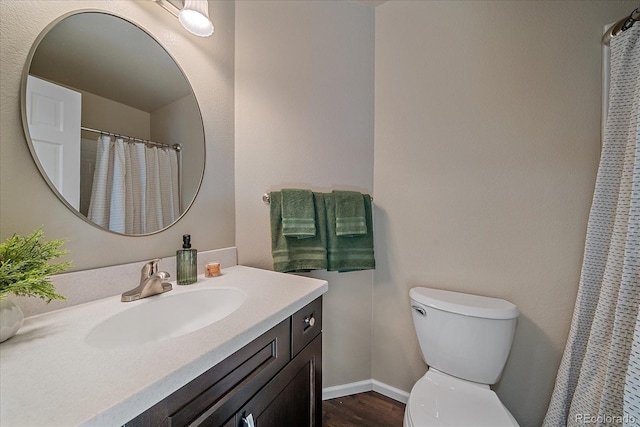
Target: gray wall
304,118
25,199
486,150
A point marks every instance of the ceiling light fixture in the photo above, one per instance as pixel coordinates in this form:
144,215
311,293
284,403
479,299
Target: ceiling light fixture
194,16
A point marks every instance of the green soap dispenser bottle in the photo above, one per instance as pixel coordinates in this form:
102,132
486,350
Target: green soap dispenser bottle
187,262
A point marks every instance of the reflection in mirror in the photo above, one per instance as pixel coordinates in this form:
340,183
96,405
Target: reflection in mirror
113,124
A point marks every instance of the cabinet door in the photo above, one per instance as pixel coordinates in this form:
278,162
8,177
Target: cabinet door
291,398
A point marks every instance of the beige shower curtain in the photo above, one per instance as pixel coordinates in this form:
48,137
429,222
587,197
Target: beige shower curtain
598,379
135,187
161,188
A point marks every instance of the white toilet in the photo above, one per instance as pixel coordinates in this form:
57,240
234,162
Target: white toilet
465,340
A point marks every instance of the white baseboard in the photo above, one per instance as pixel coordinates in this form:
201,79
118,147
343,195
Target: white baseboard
389,391
364,386
347,389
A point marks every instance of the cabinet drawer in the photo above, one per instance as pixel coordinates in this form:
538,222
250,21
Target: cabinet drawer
306,324
213,397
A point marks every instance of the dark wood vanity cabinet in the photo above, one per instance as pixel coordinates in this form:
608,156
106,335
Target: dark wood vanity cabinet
291,398
274,381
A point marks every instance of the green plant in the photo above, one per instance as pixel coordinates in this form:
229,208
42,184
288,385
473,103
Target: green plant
25,266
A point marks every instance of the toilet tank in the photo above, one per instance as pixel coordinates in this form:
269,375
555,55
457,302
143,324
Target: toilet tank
467,336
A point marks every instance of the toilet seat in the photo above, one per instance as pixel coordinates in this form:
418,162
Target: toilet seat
439,400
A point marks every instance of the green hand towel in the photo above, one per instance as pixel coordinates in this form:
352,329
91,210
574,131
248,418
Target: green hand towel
349,253
350,220
290,253
298,213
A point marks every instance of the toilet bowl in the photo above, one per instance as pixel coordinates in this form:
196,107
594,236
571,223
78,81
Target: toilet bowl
465,339
438,399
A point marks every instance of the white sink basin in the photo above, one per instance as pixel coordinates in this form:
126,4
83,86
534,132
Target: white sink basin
165,316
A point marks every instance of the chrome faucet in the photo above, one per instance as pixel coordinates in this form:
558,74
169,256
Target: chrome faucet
151,283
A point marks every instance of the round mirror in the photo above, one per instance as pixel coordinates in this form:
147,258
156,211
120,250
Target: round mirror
112,123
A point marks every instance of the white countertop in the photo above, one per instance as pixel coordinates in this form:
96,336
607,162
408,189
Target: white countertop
49,376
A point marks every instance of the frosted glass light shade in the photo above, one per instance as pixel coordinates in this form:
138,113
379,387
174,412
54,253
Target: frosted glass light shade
194,17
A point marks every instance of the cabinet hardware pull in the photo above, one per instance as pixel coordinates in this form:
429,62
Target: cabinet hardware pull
248,421
309,321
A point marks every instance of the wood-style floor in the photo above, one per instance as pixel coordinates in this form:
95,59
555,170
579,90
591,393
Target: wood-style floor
368,409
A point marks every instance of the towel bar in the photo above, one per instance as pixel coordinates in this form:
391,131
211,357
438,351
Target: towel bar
267,199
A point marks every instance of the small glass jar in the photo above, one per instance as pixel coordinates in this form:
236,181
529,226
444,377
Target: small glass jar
212,269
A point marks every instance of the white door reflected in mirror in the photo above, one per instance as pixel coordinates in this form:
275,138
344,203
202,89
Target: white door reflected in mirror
53,116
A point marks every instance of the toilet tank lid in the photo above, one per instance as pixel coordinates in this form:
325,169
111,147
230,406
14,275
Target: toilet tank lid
465,304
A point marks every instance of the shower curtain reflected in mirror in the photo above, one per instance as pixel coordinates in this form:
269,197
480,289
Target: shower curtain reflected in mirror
135,187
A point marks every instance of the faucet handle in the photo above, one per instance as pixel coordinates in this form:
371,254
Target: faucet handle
149,269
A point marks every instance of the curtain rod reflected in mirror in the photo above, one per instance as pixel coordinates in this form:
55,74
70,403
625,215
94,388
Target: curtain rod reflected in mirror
176,147
111,75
